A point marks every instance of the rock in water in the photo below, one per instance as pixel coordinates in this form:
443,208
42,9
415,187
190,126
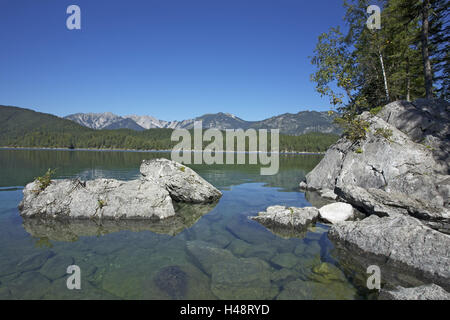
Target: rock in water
336,212
173,281
400,172
182,183
148,197
425,292
102,198
276,217
388,159
402,243
382,203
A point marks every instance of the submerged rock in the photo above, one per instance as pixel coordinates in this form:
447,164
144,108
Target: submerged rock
182,183
242,279
425,292
207,255
402,243
56,267
233,277
311,290
336,212
326,272
285,260
149,197
173,281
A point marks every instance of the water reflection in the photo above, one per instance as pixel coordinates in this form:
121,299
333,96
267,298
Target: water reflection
71,229
20,167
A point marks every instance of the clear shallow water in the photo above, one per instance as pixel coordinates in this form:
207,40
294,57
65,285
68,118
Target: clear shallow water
211,252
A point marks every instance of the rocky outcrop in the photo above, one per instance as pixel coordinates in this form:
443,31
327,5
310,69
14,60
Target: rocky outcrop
398,176
102,198
293,220
382,203
183,183
402,243
404,155
396,164
149,197
424,121
336,212
425,292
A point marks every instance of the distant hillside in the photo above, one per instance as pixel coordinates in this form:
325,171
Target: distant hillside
26,128
288,123
21,127
15,121
300,123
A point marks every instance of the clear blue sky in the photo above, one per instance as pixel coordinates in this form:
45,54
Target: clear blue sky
172,59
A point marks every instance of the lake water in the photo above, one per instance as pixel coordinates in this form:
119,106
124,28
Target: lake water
212,252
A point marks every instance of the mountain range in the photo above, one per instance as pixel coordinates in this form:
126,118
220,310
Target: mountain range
27,128
291,124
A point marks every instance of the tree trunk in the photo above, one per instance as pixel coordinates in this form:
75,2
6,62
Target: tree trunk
425,52
384,76
408,81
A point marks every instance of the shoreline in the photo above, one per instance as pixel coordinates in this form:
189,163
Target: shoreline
152,151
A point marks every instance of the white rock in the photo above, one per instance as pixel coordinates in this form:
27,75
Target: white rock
336,212
182,183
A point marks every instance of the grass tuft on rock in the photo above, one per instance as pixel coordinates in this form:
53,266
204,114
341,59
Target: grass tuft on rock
45,180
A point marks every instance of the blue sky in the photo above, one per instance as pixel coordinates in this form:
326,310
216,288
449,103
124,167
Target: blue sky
172,59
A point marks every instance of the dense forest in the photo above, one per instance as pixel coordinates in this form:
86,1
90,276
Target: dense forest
362,66
26,128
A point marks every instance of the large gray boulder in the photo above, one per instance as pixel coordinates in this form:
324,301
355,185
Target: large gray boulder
425,292
399,176
182,183
101,198
424,121
396,158
400,242
396,164
382,203
149,197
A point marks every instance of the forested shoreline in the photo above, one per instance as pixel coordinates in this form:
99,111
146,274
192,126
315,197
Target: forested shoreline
307,143
23,128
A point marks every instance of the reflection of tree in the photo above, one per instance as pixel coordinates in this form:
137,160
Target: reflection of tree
43,242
